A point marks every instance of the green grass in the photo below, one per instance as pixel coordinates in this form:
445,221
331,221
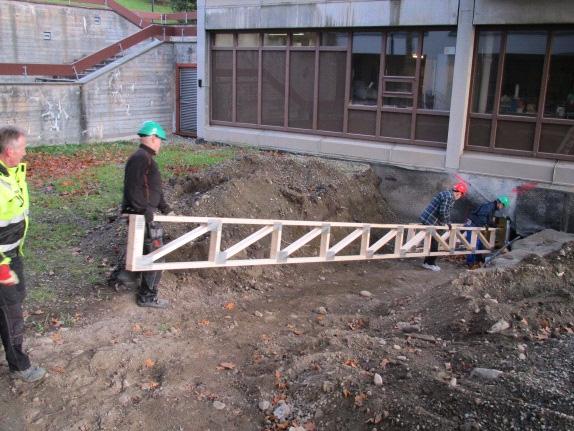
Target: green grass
64,206
137,5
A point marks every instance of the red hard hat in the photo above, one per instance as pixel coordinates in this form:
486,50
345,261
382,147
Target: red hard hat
460,187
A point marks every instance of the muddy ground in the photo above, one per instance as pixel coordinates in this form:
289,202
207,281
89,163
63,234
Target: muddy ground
338,346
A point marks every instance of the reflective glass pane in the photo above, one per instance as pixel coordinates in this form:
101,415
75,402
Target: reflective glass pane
363,122
246,97
437,66
485,71
223,40
397,102
275,39
301,89
560,93
248,40
221,90
332,76
304,39
515,135
365,68
557,139
332,38
479,132
273,88
401,53
395,125
522,75
405,87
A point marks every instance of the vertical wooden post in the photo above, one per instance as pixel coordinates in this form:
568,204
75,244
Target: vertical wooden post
452,240
276,240
399,240
428,237
365,239
215,240
325,240
136,233
473,239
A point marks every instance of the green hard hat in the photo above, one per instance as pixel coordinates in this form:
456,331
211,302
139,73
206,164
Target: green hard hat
152,128
503,199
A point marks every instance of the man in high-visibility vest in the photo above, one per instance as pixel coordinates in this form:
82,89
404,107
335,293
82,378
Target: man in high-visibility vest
14,206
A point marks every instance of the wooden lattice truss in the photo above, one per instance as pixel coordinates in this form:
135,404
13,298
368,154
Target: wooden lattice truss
392,241
412,240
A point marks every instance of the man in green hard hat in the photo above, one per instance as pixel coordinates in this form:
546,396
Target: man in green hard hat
483,216
143,194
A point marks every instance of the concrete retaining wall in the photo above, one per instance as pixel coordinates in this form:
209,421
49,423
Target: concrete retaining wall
111,106
74,32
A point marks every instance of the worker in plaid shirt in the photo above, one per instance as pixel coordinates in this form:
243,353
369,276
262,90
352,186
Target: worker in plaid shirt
438,213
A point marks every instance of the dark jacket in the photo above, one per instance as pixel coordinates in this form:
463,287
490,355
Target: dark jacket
438,211
484,215
143,192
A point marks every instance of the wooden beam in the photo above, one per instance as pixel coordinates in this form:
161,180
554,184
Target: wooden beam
381,242
215,240
309,236
344,243
176,243
244,243
415,240
136,233
276,240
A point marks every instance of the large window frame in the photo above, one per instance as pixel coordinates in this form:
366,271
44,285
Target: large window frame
538,120
349,108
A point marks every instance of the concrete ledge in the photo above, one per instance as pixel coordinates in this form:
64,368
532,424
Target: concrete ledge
523,168
410,156
229,14
564,173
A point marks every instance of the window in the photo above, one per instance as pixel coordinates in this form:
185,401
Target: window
523,93
365,68
437,66
380,85
522,72
560,95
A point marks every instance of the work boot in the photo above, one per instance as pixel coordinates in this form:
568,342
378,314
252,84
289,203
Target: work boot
31,374
153,303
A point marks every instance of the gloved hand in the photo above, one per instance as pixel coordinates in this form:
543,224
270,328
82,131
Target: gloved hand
449,226
7,276
486,227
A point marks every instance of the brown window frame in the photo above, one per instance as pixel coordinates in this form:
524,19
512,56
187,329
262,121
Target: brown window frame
348,106
538,120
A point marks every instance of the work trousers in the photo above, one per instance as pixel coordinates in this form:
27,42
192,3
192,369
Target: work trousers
431,260
149,280
12,319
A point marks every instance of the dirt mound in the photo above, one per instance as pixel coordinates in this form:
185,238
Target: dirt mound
534,300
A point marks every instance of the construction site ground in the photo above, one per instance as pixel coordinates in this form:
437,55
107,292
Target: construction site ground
377,345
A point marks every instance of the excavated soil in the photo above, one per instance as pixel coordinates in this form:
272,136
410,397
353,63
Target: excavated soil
379,345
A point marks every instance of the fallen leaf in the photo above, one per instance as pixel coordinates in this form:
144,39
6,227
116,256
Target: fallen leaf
226,366
310,426
356,324
360,399
346,393
282,425
136,328
296,331
150,385
149,363
57,338
351,363
229,306
58,369
384,363
203,322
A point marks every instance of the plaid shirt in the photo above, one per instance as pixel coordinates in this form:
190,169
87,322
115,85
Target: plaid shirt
438,211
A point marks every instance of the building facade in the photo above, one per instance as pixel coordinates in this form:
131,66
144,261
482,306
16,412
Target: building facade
480,87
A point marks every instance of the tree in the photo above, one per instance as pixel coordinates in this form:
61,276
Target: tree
183,5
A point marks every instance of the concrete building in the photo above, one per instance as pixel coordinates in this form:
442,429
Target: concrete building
481,88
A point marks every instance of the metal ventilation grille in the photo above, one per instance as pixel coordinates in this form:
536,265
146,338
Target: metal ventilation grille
188,100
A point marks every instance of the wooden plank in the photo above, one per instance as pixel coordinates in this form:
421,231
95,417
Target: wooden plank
399,241
460,236
244,243
344,243
276,240
136,233
176,243
381,242
309,236
325,240
440,240
215,240
365,239
415,240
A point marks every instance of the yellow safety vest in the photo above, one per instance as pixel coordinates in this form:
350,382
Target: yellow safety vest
14,207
